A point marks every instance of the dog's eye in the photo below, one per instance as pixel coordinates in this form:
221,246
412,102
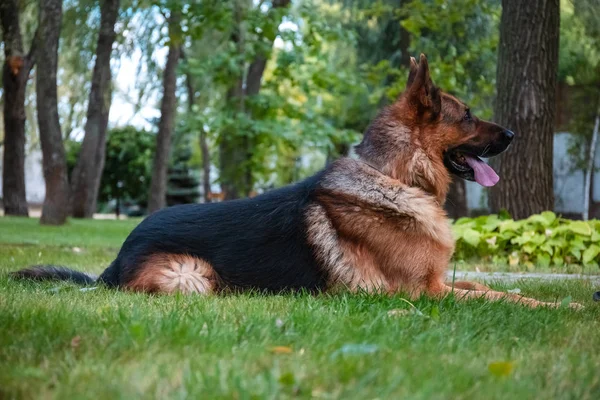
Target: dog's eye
468,116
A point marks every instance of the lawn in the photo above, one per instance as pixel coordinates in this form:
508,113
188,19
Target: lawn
59,342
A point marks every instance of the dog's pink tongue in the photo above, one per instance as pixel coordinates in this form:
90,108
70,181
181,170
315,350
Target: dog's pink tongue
484,174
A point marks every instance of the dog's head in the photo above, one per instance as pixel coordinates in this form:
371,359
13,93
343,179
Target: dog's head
446,126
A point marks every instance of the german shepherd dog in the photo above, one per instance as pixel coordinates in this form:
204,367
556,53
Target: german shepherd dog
375,223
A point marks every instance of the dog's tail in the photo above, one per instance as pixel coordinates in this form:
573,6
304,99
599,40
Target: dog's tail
54,273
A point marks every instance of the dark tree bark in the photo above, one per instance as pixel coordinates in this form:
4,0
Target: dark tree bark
56,202
456,200
202,141
158,184
87,173
205,167
527,75
15,74
236,150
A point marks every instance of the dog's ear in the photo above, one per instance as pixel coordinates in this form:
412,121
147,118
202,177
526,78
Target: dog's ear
420,87
413,72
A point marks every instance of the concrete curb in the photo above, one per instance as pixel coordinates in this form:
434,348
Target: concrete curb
513,277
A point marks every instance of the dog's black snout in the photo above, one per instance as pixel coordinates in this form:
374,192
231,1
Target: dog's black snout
508,135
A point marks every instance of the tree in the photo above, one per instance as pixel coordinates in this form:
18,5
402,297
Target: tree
184,183
56,202
158,185
587,192
127,170
526,79
456,199
579,76
88,171
202,139
15,74
236,145
460,40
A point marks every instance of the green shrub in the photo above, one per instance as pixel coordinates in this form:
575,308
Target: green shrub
542,239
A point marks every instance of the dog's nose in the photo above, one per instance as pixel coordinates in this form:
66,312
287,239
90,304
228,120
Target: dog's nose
509,135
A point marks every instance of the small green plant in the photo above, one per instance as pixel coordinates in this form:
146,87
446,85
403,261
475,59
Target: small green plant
542,239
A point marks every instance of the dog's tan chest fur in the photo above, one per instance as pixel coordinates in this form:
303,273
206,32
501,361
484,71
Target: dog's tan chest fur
370,231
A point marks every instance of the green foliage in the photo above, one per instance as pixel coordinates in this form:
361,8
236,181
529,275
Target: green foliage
460,39
579,68
330,67
127,169
579,57
297,112
183,186
542,239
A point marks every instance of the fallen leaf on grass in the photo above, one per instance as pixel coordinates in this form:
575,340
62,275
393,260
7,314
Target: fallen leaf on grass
501,368
281,350
75,342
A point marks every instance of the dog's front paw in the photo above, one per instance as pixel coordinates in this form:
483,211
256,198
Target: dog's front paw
576,306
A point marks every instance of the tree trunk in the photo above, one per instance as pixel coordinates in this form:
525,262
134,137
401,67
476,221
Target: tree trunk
56,202
88,171
202,141
232,147
235,149
526,81
456,200
587,192
232,151
205,167
15,74
168,108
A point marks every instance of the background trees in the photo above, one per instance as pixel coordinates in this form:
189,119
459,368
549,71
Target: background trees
86,175
158,185
251,95
18,63
527,72
56,202
579,84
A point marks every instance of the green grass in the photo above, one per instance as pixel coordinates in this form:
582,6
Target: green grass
59,342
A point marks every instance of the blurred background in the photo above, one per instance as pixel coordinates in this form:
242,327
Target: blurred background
164,102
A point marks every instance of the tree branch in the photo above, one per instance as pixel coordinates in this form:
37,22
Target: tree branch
31,56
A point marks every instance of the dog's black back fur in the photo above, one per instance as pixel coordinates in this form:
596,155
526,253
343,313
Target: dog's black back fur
251,243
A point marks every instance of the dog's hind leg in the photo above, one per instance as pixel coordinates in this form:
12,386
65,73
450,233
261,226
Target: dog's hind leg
170,273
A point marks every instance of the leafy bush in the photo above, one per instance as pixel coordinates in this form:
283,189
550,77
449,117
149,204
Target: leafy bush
543,239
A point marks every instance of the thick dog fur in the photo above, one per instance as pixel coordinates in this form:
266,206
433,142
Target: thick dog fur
375,223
